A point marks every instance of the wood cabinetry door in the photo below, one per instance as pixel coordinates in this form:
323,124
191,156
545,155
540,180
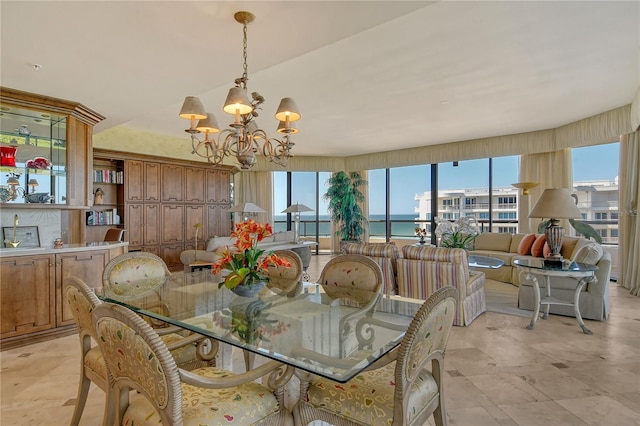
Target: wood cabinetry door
151,224
170,253
172,183
88,266
218,221
134,181
27,295
172,223
218,186
194,215
134,222
194,189
152,182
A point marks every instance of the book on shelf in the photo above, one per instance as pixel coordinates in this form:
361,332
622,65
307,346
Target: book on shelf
108,176
103,217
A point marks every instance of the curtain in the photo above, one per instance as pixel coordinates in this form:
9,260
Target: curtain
550,170
257,188
629,224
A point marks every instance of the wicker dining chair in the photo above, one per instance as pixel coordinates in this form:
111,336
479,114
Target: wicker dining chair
398,389
138,360
286,279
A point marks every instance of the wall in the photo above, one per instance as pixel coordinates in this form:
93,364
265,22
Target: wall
48,222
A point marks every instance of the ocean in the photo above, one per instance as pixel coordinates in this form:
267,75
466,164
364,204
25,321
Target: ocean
402,225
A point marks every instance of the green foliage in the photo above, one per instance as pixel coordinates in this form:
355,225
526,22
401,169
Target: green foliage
344,195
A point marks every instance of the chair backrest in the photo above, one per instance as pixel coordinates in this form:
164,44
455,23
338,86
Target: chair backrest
134,266
114,234
81,301
283,278
384,254
425,340
137,359
346,272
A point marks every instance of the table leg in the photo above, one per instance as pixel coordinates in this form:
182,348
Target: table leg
547,280
536,293
576,303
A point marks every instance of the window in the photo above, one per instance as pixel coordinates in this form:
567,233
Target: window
506,215
595,183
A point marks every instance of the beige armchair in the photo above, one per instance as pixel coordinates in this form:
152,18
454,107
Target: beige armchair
403,388
138,360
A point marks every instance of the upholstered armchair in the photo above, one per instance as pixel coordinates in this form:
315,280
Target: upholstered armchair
403,388
138,360
423,270
286,279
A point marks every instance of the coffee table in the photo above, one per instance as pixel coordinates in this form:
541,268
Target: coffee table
477,261
583,274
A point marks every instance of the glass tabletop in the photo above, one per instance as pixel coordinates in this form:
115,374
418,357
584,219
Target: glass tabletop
567,265
477,261
332,333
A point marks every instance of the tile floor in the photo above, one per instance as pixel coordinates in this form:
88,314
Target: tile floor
498,373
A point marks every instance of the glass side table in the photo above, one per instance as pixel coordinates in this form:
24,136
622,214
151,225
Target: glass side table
582,273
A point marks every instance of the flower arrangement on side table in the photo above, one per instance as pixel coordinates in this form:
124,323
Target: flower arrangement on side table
246,262
459,234
422,233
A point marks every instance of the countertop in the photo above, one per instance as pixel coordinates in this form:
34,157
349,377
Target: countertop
68,248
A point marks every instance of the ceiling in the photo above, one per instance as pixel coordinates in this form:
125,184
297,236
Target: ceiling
368,76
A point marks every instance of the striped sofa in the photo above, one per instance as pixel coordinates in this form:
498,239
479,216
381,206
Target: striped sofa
419,271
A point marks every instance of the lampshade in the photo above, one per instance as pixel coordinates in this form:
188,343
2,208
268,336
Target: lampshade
237,101
556,203
33,183
282,128
13,181
209,124
297,208
246,208
192,108
287,108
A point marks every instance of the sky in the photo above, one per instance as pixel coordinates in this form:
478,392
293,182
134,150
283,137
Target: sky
598,162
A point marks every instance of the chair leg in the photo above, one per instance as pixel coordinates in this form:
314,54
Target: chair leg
81,399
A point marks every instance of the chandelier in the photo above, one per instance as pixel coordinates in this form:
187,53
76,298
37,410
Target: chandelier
243,137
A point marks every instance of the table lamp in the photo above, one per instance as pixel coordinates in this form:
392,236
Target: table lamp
555,204
296,209
246,209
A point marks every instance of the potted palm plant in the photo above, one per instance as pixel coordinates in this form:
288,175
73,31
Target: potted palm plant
343,195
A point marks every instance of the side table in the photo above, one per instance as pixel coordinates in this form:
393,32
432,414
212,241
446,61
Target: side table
583,274
200,265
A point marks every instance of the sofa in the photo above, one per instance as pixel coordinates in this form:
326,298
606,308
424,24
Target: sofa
276,241
594,301
418,271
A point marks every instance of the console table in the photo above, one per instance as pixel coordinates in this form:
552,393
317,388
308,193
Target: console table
583,274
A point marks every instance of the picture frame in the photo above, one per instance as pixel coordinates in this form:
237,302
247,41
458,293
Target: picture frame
29,236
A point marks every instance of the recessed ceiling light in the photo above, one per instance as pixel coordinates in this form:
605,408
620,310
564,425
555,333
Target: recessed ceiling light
36,67
444,102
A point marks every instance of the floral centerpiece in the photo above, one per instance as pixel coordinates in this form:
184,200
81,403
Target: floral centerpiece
459,234
422,233
245,261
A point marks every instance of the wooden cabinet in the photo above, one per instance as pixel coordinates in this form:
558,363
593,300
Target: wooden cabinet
86,265
32,290
195,184
162,201
218,184
27,295
172,183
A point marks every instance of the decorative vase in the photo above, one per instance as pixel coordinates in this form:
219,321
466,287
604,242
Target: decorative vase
244,290
422,241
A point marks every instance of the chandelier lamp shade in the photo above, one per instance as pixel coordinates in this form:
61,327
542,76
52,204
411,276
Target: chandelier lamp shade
555,204
243,139
296,209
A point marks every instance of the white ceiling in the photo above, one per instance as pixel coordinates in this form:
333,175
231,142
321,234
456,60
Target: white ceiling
368,76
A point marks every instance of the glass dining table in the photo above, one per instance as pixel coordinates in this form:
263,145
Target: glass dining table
331,332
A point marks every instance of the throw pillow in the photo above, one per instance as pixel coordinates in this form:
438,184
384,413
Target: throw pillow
588,252
524,248
537,249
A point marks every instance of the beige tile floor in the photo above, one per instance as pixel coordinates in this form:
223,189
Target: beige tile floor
498,373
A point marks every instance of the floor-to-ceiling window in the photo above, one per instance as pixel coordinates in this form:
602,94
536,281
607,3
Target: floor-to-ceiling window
595,184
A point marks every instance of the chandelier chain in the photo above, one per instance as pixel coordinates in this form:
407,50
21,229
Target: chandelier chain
245,73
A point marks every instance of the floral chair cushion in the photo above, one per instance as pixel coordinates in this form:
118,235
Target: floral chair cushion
136,269
369,397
